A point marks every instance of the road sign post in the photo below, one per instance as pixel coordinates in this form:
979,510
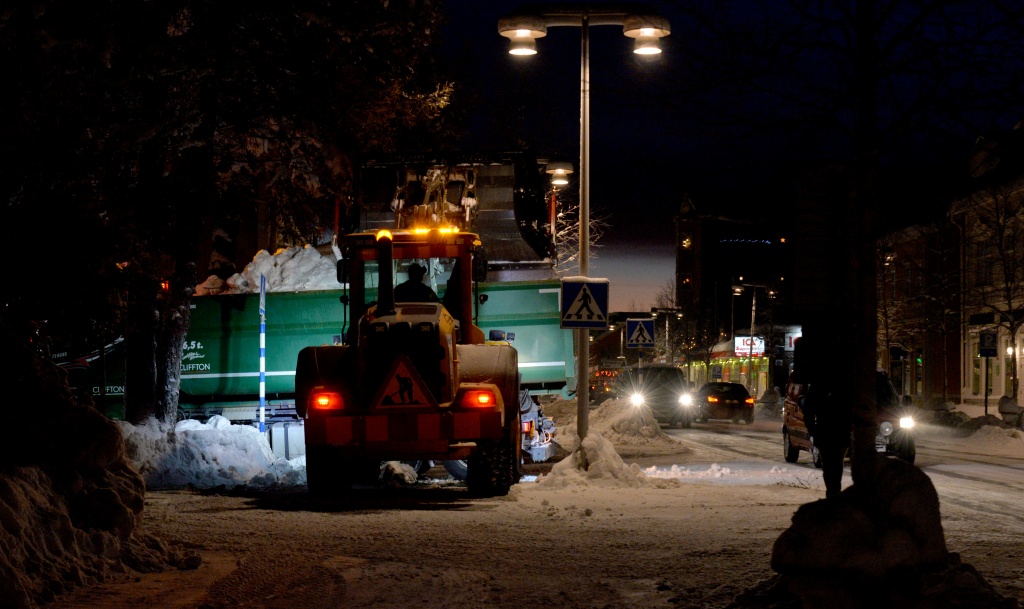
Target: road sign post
584,305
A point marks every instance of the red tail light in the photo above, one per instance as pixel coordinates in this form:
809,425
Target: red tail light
712,399
479,398
749,401
326,400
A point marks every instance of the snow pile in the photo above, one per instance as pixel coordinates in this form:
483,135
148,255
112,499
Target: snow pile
596,464
617,420
70,502
997,437
208,455
290,269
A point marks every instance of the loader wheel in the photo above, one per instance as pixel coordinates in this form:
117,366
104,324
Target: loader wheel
492,469
517,452
327,474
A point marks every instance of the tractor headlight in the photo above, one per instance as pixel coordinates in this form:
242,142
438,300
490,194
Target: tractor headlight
885,428
636,399
906,422
686,400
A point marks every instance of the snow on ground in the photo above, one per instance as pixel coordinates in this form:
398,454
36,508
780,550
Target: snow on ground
825,546
217,453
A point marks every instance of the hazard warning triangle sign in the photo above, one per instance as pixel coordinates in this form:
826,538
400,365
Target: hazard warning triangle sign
584,303
403,387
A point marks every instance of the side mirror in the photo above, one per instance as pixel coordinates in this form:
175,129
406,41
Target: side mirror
479,266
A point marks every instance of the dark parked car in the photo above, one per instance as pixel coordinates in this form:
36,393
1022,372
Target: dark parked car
722,400
661,387
895,424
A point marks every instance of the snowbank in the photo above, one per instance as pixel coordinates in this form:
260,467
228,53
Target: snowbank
70,502
207,455
292,269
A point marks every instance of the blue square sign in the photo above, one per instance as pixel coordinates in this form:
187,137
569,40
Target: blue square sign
584,302
639,333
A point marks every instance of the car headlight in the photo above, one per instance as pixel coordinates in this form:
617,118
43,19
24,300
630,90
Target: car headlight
636,399
885,428
906,422
686,399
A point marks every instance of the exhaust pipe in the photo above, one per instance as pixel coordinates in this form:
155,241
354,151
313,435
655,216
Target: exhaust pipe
386,278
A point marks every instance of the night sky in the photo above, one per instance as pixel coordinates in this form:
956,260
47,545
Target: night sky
697,121
635,161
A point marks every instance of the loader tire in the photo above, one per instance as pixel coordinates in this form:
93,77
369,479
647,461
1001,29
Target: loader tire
493,468
327,474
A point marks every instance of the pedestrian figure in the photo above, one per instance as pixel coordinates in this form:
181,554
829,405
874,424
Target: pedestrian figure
585,304
641,334
828,423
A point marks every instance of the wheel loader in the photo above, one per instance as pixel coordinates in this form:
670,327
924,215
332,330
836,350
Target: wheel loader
413,381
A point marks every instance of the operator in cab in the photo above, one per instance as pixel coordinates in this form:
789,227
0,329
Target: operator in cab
413,289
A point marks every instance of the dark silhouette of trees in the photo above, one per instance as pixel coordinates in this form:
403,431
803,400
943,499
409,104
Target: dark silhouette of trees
136,131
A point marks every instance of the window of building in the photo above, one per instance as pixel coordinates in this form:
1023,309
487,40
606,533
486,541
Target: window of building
983,264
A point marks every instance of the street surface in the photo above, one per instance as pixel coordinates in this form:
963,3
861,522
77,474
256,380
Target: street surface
695,544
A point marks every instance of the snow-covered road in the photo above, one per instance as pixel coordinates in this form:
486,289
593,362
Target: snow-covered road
696,530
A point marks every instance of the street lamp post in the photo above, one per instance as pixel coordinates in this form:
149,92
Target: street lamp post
750,358
736,291
559,171
522,29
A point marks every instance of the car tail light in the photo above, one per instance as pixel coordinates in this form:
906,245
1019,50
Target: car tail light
326,400
712,399
479,398
749,401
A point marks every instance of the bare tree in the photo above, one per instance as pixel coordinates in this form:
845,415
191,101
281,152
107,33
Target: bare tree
666,297
894,327
567,232
940,299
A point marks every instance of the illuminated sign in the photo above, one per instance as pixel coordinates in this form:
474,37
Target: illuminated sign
742,346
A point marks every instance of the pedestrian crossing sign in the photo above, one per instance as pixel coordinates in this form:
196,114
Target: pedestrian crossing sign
584,302
639,333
